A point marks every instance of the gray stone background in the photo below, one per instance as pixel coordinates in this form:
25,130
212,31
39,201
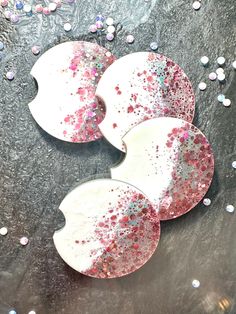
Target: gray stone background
37,171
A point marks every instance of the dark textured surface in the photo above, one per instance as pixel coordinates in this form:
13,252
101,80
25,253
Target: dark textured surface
36,170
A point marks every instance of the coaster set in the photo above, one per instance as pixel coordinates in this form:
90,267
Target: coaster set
143,104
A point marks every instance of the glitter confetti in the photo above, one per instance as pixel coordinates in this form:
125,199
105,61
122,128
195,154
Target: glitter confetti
207,202
234,164
226,102
154,45
221,98
202,86
196,283
221,61
212,76
221,77
130,39
35,50
10,75
204,60
112,229
229,208
67,27
3,231
196,5
24,241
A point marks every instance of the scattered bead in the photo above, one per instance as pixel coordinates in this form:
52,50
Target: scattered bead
207,202
212,76
109,21
108,54
39,8
234,164
4,3
1,45
221,77
234,64
226,102
58,3
12,312
204,60
27,8
221,60
229,208
3,231
93,28
46,11
202,86
67,27
52,6
111,29
32,312
130,39
35,50
196,283
10,75
196,5
110,36
221,98
19,5
219,71
99,24
8,15
14,18
154,45
100,17
24,241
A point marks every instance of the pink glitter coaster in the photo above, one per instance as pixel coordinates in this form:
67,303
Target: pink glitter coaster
171,161
142,86
111,229
67,76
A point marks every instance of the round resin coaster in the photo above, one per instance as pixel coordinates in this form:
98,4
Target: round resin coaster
111,229
141,86
67,76
171,161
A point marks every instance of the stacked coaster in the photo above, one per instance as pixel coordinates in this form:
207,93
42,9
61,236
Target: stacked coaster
143,104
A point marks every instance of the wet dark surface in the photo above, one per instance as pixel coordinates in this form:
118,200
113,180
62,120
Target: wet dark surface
37,171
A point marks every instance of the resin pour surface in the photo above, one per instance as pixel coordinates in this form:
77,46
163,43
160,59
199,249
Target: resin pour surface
111,229
141,86
171,161
67,76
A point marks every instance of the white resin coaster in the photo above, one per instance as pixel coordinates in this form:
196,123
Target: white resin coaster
67,76
111,229
141,86
171,161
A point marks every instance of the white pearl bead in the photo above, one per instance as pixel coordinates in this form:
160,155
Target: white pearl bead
202,86
67,27
221,60
226,102
204,60
109,21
